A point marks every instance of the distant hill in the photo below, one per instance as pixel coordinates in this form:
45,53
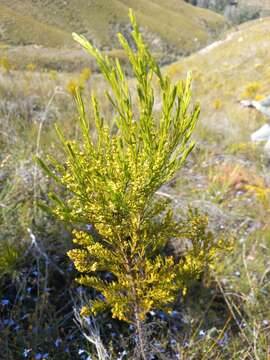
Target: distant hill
170,25
238,11
227,71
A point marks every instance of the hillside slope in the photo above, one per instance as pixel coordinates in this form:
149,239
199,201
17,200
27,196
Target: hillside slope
237,11
19,29
224,73
168,24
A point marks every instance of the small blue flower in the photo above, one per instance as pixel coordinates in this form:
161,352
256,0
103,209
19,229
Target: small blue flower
176,328
26,352
57,342
5,302
186,344
202,333
79,289
224,340
40,356
29,289
17,328
88,320
25,316
81,351
175,314
162,315
101,297
8,322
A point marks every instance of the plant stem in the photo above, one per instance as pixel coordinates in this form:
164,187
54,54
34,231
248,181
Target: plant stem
138,321
139,330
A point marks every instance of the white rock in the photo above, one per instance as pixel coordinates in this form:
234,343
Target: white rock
262,134
267,147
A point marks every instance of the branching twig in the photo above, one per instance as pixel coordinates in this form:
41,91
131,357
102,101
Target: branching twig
34,244
91,332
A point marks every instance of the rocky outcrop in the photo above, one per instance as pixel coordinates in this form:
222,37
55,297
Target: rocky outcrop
238,11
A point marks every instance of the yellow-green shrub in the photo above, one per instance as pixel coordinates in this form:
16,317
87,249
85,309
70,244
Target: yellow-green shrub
5,64
31,67
217,104
53,74
112,179
251,90
80,81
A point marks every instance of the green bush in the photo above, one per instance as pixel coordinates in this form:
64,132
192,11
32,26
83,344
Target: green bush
112,178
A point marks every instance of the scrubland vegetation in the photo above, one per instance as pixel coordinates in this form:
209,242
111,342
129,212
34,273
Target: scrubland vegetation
224,312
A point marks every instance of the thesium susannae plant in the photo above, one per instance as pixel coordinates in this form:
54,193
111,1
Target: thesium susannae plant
112,178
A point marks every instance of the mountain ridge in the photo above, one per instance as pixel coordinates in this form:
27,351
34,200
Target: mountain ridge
171,25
